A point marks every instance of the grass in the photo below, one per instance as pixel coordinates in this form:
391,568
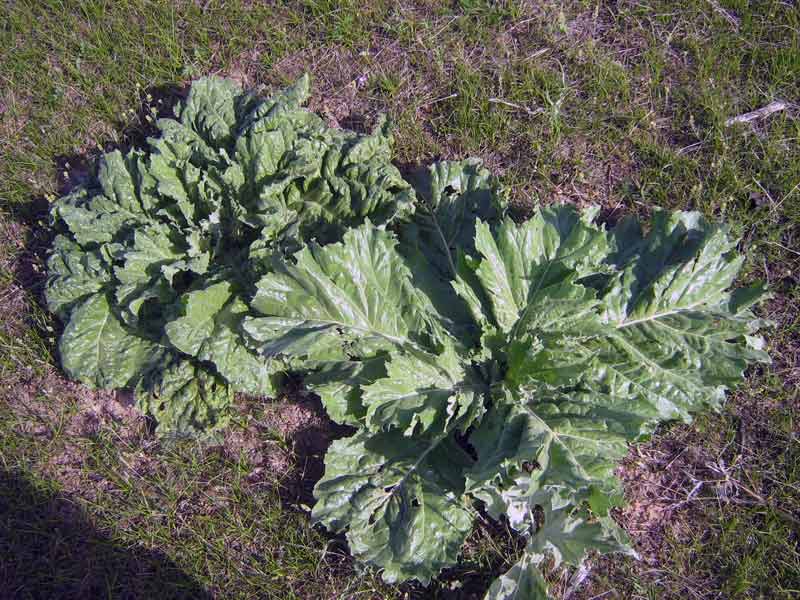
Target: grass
159,522
41,532
578,101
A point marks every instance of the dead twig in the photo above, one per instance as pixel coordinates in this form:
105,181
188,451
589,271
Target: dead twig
520,24
537,53
514,105
782,246
577,580
758,499
761,113
442,99
689,497
725,14
690,148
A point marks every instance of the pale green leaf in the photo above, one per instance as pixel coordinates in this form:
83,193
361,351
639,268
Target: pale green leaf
73,275
523,581
232,359
453,195
518,260
530,448
96,348
184,398
117,182
140,267
358,291
423,391
545,346
400,500
93,219
199,311
682,264
568,535
211,109
340,383
678,337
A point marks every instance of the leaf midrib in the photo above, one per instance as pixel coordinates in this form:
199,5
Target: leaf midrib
334,323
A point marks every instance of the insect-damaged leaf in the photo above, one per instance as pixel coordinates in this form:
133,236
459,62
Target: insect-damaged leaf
400,499
585,340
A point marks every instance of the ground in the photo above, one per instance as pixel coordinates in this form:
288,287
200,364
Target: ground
622,104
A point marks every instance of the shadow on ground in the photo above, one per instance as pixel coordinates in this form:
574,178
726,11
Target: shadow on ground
49,549
30,221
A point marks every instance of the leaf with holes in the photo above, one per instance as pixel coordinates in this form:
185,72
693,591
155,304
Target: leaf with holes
585,339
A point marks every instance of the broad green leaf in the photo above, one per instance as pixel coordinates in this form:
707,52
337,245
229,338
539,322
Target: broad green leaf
363,183
677,363
568,535
519,259
523,581
150,248
296,94
103,217
283,107
358,291
423,391
529,449
117,182
233,360
683,263
679,338
295,339
454,196
73,275
179,144
400,500
211,109
188,332
340,385
327,180
184,398
93,219
439,296
258,155
97,349
178,181
140,268
546,345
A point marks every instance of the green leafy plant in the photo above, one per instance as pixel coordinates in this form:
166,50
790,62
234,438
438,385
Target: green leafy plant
483,364
492,365
157,255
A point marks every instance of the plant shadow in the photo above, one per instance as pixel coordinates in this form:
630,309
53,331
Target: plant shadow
32,218
50,549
